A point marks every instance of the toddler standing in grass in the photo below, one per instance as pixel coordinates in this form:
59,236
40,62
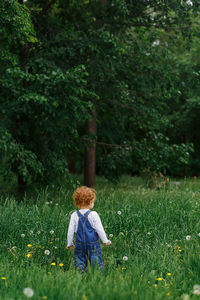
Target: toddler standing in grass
88,228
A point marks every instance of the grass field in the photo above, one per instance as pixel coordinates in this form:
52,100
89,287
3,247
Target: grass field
155,251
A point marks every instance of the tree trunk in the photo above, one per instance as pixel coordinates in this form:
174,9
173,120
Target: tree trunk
90,152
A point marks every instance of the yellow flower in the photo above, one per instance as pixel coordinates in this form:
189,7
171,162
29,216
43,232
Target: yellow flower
179,250
29,245
3,278
53,264
28,255
84,296
159,278
168,294
61,265
169,274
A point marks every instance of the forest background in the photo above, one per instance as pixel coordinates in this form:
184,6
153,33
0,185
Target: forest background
100,87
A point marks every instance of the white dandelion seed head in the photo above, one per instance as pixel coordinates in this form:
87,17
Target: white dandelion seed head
31,232
51,202
196,289
111,235
119,212
47,252
147,53
149,233
125,258
199,234
28,292
38,232
188,237
52,231
47,203
22,235
57,204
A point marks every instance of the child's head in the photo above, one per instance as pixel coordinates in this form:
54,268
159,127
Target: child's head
84,197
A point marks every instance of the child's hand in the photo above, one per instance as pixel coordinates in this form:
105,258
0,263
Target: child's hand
108,243
69,247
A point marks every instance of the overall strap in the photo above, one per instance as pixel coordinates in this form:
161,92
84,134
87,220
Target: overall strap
79,214
87,213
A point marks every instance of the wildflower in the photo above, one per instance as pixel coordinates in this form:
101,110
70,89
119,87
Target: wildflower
57,204
196,289
168,294
169,274
159,278
53,264
189,2
22,235
188,237
111,235
29,245
149,233
31,232
125,258
61,265
47,203
38,232
156,43
199,234
119,212
28,292
52,231
14,247
84,297
3,278
28,255
47,252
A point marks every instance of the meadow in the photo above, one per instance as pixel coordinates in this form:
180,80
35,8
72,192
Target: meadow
155,250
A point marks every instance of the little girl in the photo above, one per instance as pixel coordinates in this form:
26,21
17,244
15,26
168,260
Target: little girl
88,228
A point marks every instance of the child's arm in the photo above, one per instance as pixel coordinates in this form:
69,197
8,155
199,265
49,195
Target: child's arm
99,229
70,234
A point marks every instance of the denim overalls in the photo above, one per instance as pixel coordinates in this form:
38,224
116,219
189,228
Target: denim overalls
87,244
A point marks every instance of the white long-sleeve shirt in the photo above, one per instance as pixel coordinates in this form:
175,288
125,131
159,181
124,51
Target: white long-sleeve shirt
95,222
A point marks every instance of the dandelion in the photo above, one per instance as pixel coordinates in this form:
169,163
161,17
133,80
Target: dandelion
61,265
169,274
111,235
119,212
196,289
28,292
29,245
53,264
31,232
125,258
38,232
3,278
52,231
47,203
159,278
22,235
168,294
57,204
199,234
47,252
188,237
84,297
28,255
149,233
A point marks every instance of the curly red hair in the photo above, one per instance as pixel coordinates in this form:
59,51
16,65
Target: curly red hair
83,196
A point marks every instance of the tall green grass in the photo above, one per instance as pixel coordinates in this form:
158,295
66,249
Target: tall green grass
151,231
